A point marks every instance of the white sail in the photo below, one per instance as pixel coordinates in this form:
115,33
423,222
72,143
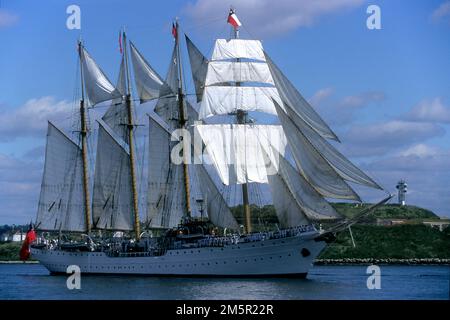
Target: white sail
166,200
222,100
299,105
344,167
97,85
149,84
61,201
112,206
217,209
288,211
316,170
309,200
167,106
116,117
237,151
243,71
238,49
199,67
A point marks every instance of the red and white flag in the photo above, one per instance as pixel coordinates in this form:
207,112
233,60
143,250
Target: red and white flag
175,30
233,19
120,43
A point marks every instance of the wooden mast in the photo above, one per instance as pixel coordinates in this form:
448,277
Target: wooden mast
130,126
83,131
182,119
241,117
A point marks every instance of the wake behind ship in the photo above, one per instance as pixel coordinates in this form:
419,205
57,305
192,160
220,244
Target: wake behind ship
189,226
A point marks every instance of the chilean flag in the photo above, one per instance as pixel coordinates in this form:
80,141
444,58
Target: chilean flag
29,239
233,19
175,30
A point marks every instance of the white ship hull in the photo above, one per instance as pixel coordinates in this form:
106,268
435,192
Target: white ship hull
291,256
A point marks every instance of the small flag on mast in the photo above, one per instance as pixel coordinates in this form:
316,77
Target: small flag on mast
175,30
233,19
120,43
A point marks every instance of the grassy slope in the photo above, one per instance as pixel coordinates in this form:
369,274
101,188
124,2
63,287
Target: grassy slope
387,211
10,251
401,242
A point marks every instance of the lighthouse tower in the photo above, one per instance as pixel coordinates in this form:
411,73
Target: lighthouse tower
402,189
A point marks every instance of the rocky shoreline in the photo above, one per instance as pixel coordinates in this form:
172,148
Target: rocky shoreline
369,261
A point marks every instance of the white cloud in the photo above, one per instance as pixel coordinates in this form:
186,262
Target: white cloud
419,150
362,100
7,18
31,118
342,112
430,111
19,188
443,11
268,17
320,96
380,138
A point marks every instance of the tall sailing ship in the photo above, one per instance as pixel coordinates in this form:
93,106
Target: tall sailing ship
190,227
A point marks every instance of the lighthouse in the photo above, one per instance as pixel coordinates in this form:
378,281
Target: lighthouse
402,188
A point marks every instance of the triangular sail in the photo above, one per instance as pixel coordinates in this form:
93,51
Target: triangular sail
97,85
167,106
199,67
149,84
344,167
116,117
217,209
309,200
288,211
166,201
61,201
112,197
311,164
297,103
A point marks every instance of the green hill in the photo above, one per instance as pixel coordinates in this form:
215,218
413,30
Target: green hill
400,242
389,211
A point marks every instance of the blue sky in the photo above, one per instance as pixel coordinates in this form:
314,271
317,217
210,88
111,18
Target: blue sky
385,92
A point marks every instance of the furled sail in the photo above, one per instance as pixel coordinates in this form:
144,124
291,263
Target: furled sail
116,117
346,169
309,200
166,200
237,151
97,85
312,165
199,67
61,201
149,84
112,197
297,103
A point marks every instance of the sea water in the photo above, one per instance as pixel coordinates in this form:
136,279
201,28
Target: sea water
32,281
